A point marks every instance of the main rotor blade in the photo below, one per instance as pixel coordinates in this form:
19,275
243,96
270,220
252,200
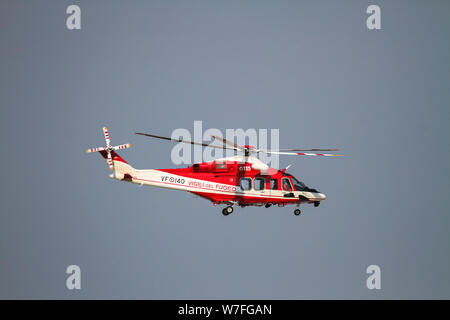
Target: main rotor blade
314,149
184,141
236,147
302,153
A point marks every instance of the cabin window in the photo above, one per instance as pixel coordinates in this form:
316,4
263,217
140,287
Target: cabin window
287,186
259,183
246,184
273,184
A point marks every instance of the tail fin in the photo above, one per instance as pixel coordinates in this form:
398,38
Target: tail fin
122,170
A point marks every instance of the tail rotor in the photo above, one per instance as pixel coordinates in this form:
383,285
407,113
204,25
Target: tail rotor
108,148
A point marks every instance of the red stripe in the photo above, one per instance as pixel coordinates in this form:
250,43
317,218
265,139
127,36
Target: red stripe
219,192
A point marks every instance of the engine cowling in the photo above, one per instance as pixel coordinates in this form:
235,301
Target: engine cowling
260,166
202,167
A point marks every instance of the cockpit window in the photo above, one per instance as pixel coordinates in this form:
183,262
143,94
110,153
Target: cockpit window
286,184
299,186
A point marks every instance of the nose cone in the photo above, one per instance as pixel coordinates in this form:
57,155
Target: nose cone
317,196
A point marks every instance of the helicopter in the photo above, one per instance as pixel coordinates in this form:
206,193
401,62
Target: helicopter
240,180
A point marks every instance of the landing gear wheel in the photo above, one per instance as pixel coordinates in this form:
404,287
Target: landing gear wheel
297,212
226,211
229,209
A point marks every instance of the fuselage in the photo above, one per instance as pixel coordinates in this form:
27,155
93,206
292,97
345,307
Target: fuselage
236,180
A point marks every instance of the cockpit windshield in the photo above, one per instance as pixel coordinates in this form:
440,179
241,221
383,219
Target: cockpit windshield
299,186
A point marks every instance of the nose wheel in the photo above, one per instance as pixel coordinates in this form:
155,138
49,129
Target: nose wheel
226,211
297,212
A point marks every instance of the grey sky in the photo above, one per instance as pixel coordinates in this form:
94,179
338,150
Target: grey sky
310,68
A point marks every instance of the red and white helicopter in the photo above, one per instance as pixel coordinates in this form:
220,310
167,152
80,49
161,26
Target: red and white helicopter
241,180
